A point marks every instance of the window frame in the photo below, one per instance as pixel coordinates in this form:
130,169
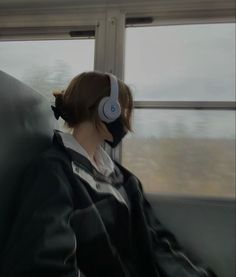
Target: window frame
182,105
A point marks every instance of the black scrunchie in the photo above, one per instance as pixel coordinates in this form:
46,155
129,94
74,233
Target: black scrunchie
56,112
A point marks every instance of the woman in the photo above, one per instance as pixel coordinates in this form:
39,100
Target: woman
82,214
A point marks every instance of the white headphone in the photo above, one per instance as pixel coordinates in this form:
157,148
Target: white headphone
109,107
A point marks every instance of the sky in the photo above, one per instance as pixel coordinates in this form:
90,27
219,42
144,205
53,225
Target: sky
188,62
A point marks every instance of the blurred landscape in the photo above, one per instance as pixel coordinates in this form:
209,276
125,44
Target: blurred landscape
186,166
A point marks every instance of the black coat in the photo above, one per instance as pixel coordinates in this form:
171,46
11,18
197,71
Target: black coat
72,219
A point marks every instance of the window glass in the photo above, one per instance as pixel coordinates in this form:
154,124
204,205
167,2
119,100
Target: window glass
183,151
47,65
183,62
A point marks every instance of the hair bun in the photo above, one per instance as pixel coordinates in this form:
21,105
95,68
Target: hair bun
59,109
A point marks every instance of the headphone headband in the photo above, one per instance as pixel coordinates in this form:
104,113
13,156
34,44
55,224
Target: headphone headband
114,87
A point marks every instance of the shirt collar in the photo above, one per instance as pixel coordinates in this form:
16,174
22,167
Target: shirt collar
104,164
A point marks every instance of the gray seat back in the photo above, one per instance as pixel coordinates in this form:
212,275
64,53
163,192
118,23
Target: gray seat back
204,227
26,124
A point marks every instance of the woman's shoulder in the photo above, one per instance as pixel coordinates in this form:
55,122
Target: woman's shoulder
52,157
49,171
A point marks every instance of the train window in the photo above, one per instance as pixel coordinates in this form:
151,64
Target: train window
47,65
183,62
183,151
183,143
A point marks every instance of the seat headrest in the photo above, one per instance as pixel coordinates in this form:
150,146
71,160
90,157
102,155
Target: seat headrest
26,124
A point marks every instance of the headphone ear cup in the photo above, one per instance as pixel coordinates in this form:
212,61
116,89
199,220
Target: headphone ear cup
101,109
109,107
112,109
108,110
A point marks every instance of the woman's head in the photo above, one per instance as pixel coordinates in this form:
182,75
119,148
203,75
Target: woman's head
79,102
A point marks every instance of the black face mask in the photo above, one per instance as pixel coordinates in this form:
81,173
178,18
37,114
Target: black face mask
116,128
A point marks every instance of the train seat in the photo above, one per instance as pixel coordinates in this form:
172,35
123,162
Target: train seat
26,123
205,227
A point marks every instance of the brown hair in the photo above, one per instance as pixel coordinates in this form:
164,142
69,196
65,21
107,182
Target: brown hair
79,102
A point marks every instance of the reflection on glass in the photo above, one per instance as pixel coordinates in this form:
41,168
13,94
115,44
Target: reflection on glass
47,65
183,151
181,63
